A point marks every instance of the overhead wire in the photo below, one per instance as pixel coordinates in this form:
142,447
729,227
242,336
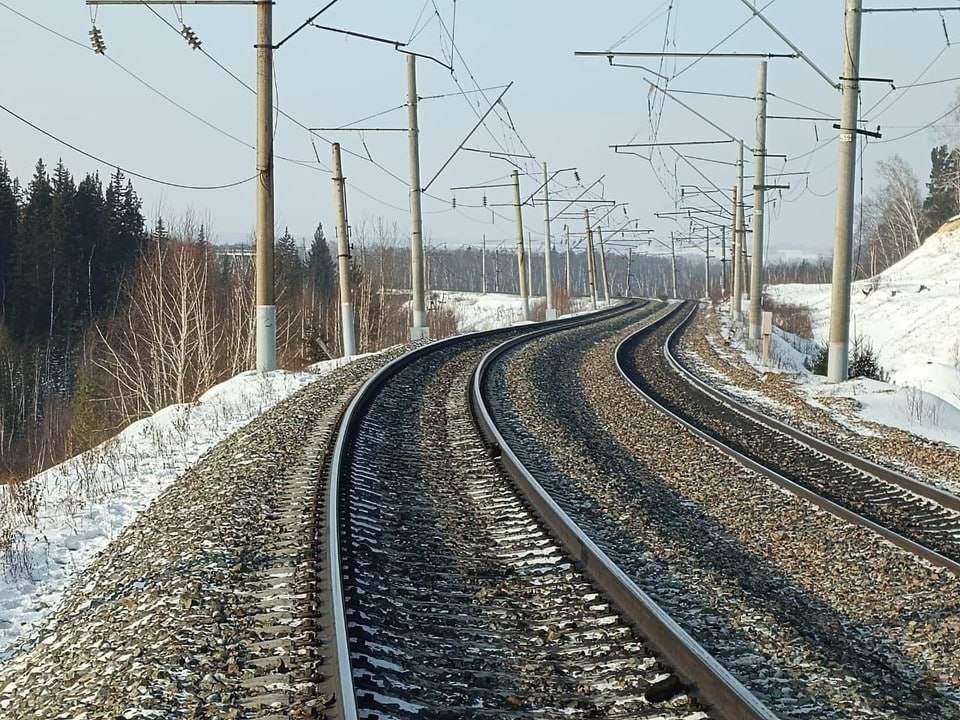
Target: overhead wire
455,50
123,169
726,37
648,20
292,119
894,89
415,32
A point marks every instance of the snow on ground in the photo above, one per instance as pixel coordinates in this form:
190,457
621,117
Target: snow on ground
476,312
85,502
909,315
906,408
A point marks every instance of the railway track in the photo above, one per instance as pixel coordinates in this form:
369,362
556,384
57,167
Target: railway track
451,597
815,619
916,517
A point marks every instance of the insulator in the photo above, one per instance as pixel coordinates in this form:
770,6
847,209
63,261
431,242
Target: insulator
454,201
191,37
96,41
576,176
484,199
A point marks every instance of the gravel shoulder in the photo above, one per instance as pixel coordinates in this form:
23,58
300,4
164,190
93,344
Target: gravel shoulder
204,606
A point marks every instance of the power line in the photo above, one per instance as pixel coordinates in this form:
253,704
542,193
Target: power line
726,37
309,20
126,171
922,128
892,90
303,163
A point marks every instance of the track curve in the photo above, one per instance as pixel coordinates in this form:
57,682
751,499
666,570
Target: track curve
456,601
927,525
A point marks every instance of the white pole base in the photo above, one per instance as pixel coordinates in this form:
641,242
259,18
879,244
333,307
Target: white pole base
266,338
838,361
349,331
551,313
419,333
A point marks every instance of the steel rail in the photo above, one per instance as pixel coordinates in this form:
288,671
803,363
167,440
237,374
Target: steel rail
833,508
713,684
345,700
941,497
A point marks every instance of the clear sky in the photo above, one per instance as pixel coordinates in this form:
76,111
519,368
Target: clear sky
565,110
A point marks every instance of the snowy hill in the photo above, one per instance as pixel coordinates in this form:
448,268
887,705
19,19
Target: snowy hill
910,313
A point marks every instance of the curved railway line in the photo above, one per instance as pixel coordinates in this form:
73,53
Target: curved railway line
502,528
796,606
451,597
914,516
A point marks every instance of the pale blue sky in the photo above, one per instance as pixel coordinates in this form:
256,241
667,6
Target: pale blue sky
566,110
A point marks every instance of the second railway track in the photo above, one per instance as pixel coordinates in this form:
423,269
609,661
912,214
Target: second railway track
926,524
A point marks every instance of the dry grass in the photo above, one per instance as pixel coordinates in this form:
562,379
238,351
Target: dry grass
791,318
950,225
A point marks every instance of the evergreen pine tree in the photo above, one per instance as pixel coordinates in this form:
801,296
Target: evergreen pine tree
160,230
31,266
8,229
289,266
89,246
121,237
943,190
320,266
65,271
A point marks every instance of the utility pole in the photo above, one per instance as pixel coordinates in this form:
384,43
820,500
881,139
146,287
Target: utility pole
521,259
603,267
420,329
528,259
566,231
591,275
343,256
736,298
496,270
706,270
673,262
629,271
551,312
838,354
723,263
742,222
483,266
741,238
759,180
266,311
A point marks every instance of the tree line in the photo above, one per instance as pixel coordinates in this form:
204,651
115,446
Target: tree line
894,219
104,320
64,249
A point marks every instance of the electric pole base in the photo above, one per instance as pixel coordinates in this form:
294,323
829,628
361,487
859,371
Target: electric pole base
551,314
419,333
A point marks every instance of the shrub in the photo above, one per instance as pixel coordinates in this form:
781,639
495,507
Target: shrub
791,318
818,363
864,361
